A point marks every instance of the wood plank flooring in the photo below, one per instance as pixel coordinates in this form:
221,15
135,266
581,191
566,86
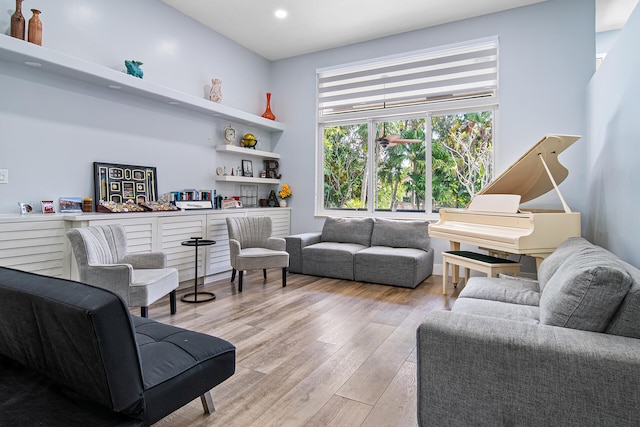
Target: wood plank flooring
320,352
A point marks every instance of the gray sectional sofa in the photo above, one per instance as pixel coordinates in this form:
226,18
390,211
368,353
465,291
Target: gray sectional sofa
375,250
560,351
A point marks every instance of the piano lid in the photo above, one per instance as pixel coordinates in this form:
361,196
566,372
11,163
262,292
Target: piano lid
527,176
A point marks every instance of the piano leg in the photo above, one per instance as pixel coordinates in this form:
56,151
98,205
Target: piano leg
455,270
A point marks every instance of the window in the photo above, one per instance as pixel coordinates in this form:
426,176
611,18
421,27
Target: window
405,136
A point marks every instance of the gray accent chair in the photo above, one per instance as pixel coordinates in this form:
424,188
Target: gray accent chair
563,350
102,259
251,247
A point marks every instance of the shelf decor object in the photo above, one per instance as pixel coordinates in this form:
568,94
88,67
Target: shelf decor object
54,62
267,113
133,68
35,28
118,183
215,94
17,22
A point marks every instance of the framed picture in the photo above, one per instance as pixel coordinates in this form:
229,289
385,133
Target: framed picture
70,204
48,207
26,208
120,183
247,168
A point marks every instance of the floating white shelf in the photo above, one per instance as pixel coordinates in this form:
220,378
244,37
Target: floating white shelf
29,54
247,179
247,151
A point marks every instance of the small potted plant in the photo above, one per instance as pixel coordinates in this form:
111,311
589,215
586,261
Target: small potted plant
284,194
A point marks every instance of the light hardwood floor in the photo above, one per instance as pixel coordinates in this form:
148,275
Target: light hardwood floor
320,352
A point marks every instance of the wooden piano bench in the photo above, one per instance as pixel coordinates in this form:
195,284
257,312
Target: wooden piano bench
490,265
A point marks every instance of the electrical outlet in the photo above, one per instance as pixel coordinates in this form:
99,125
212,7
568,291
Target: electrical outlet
4,176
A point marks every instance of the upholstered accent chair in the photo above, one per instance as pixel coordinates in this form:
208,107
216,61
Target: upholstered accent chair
102,259
251,247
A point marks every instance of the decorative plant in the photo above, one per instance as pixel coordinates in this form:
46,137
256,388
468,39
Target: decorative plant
285,192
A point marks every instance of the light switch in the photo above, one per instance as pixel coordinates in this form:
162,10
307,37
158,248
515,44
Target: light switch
4,176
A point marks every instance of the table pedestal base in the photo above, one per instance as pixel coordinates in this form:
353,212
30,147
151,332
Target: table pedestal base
195,297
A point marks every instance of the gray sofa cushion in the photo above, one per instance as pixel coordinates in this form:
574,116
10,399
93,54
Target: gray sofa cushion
347,230
401,234
330,259
626,321
497,309
406,267
585,291
510,290
551,264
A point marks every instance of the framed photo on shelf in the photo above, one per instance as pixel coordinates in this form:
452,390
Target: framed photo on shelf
70,204
247,168
26,208
48,207
119,183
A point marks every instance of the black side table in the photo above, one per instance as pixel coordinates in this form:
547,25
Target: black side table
208,296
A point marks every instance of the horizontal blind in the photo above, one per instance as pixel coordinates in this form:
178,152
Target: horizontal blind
458,73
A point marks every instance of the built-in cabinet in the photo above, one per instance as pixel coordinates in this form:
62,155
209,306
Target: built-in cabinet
38,244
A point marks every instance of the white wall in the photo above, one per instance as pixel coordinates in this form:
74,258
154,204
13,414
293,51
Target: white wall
52,128
546,60
614,151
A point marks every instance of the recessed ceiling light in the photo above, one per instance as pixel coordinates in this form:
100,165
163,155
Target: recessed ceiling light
32,64
281,13
174,103
115,87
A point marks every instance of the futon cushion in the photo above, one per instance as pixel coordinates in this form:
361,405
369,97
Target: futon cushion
406,267
347,230
586,291
497,309
551,263
401,234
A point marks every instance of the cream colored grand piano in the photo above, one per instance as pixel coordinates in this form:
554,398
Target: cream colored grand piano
493,220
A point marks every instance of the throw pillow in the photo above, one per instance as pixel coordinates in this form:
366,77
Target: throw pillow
585,291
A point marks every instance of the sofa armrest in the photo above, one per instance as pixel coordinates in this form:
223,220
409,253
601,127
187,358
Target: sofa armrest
146,260
294,245
276,243
514,373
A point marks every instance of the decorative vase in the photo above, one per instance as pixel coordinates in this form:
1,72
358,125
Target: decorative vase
267,113
215,94
35,28
283,203
17,22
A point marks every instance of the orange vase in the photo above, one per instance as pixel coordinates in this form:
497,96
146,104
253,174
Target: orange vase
267,113
35,28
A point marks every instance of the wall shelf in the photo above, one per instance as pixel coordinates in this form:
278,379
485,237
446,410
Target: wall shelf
246,151
247,180
47,60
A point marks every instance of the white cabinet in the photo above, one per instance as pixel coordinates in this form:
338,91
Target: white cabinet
174,230
35,244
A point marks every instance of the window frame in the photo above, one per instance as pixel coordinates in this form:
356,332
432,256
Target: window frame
424,110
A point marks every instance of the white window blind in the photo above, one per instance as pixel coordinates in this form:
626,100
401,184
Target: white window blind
462,72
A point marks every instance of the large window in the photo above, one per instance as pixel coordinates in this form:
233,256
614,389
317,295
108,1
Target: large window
408,135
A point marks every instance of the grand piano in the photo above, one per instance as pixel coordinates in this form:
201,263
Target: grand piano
493,219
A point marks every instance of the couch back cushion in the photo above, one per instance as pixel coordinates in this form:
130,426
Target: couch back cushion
347,230
551,264
75,334
626,321
401,234
585,291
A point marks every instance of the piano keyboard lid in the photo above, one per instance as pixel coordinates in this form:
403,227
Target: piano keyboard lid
527,177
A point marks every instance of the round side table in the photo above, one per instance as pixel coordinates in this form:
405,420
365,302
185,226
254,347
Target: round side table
192,297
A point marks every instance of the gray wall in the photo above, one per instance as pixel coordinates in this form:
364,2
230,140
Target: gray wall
52,128
614,151
547,55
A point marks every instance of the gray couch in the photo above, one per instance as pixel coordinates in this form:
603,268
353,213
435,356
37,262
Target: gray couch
560,351
375,250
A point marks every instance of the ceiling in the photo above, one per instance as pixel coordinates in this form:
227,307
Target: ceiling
317,25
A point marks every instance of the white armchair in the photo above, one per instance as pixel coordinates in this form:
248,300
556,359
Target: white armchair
102,259
252,247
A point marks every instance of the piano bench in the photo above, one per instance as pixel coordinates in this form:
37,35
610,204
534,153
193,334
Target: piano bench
490,265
